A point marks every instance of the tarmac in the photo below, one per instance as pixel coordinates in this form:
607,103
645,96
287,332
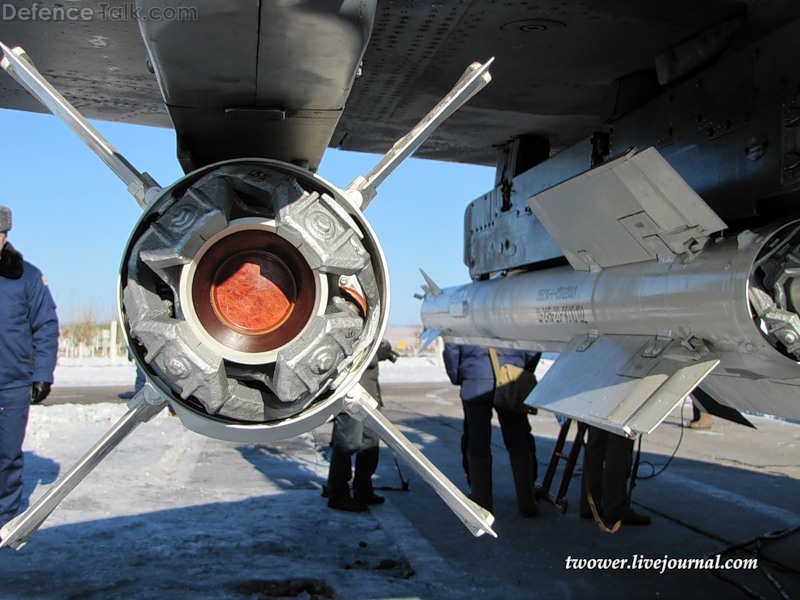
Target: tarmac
171,514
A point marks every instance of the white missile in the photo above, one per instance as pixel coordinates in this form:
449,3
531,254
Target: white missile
636,336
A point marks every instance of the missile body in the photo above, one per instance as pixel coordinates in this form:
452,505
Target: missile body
706,298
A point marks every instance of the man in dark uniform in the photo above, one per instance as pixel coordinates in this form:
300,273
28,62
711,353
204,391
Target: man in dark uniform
607,461
350,437
28,350
471,367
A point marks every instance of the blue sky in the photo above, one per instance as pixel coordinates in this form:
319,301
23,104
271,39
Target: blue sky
73,216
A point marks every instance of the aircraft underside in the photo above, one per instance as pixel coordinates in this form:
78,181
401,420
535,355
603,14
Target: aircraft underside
642,222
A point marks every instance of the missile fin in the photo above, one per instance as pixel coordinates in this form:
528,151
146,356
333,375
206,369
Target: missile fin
428,336
632,209
363,188
19,65
362,406
145,405
624,384
430,287
760,396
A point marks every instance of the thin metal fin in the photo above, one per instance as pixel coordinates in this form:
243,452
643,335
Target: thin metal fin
428,336
713,407
143,407
625,384
758,396
17,64
430,286
363,188
361,405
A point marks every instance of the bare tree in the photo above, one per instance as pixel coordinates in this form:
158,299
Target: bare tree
84,328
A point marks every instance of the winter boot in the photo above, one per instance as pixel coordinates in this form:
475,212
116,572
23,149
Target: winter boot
630,517
480,477
704,421
366,465
523,482
339,484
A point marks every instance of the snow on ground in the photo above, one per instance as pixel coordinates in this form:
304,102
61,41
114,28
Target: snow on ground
172,514
78,372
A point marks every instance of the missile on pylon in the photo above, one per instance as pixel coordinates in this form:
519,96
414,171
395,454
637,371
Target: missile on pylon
655,301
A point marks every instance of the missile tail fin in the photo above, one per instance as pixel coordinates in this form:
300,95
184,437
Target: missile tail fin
625,384
429,287
427,337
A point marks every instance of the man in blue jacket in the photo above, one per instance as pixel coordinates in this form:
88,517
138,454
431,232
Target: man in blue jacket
28,350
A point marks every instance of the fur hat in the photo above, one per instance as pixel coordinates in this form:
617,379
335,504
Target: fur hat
5,219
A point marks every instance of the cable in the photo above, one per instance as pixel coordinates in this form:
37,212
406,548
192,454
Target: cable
674,452
759,541
404,483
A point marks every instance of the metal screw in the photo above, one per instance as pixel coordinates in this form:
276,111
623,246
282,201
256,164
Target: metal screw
791,116
176,367
323,362
791,160
320,225
756,147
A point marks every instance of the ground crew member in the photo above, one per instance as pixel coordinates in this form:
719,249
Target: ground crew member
350,437
28,350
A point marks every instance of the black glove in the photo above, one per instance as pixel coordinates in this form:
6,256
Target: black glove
385,351
39,391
